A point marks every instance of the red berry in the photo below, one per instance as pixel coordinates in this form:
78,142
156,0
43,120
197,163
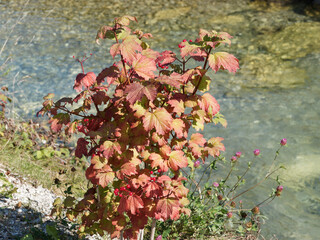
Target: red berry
151,172
184,40
116,190
130,193
190,40
120,195
128,186
159,170
122,188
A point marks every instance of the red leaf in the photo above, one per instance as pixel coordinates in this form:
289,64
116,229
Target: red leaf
160,120
167,208
129,48
144,66
81,148
91,174
214,146
84,80
105,175
223,60
142,180
137,90
130,203
125,20
152,189
111,73
166,57
177,160
197,138
174,80
178,106
128,169
188,49
209,104
158,162
179,126
55,125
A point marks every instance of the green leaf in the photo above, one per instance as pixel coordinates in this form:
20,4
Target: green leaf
52,231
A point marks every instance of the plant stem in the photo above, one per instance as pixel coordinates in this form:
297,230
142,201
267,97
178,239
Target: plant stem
204,67
153,228
257,184
237,183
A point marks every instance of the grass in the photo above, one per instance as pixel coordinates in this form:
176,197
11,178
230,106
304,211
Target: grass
44,165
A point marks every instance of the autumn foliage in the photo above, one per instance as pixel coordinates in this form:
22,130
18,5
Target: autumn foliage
135,117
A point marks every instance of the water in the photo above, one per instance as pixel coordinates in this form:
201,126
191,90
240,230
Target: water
274,95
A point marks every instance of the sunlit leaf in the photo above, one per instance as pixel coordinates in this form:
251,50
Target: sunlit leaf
160,120
223,60
144,66
135,91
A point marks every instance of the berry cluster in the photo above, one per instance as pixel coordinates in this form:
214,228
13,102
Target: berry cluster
123,189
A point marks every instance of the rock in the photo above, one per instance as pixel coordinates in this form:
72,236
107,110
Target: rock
294,41
171,13
266,70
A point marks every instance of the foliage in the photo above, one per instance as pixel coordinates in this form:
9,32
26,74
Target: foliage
214,210
137,138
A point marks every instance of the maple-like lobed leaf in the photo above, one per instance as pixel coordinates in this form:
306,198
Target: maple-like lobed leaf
128,169
160,120
178,105
177,160
91,174
149,53
214,146
84,80
140,181
167,208
135,91
125,20
166,57
158,162
130,204
179,126
188,49
175,80
81,148
98,162
105,175
110,73
144,66
197,138
129,48
159,139
223,60
55,125
208,101
152,189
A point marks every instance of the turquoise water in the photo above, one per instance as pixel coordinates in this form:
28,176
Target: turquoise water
260,108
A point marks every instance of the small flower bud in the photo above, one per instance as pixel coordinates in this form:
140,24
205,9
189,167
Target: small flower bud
215,184
220,197
196,164
279,190
234,159
256,152
159,237
229,214
238,154
283,142
255,210
233,204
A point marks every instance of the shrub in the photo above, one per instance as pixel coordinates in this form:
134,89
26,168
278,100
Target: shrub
135,117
